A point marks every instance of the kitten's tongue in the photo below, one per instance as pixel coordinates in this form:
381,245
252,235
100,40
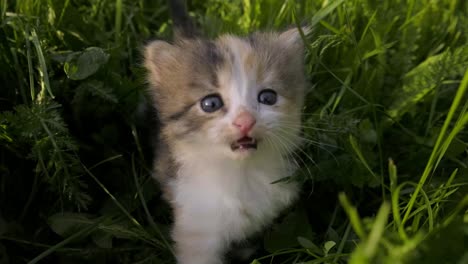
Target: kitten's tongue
244,143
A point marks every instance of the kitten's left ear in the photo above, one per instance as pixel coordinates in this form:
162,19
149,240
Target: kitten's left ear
158,55
292,37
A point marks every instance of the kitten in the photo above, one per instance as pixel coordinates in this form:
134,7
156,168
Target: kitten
230,112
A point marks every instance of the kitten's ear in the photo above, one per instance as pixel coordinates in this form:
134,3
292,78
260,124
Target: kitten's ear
157,54
292,37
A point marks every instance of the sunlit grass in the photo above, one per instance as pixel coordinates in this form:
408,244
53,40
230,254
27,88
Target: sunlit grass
384,165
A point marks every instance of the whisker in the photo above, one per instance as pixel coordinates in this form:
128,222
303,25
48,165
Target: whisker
318,143
306,165
317,128
279,139
286,117
294,114
314,143
288,149
276,148
279,150
293,125
297,147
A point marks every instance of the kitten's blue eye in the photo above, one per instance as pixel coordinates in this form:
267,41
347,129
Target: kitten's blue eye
211,103
267,97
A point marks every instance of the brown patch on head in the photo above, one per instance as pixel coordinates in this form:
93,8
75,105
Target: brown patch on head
183,73
281,55
180,75
240,52
249,60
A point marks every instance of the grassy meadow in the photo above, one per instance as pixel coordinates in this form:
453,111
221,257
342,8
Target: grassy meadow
384,167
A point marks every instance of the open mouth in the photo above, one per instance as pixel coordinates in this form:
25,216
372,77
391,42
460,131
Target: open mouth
244,143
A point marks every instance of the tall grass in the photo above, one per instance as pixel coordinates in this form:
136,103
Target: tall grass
384,166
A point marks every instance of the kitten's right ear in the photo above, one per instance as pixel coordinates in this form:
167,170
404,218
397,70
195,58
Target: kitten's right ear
158,53
292,37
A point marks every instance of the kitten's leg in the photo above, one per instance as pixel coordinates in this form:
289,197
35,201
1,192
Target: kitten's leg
195,247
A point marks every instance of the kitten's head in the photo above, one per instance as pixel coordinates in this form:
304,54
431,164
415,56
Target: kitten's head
230,96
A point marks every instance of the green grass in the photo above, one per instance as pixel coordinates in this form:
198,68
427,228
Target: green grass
385,164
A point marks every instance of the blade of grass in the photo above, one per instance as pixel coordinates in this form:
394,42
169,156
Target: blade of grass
396,210
137,142
341,93
456,212
330,27
367,250
357,150
3,8
342,242
436,154
459,126
344,84
370,246
323,12
57,149
122,208
282,252
64,242
106,160
132,219
281,13
395,198
65,5
326,259
369,23
118,20
393,174
45,84
145,208
353,215
416,213
20,74
30,65
441,192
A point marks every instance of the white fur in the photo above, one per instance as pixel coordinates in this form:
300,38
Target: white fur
221,200
221,196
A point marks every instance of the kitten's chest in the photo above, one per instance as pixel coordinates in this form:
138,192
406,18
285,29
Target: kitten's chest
239,198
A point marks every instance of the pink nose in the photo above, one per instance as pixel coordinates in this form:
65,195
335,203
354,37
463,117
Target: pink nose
244,121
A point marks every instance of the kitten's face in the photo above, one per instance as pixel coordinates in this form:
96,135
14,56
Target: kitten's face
232,96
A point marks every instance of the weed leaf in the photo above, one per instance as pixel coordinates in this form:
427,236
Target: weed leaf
66,224
426,77
82,65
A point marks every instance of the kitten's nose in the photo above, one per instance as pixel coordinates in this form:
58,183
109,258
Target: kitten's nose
244,121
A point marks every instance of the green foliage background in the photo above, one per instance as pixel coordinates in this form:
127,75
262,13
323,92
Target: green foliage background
384,165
